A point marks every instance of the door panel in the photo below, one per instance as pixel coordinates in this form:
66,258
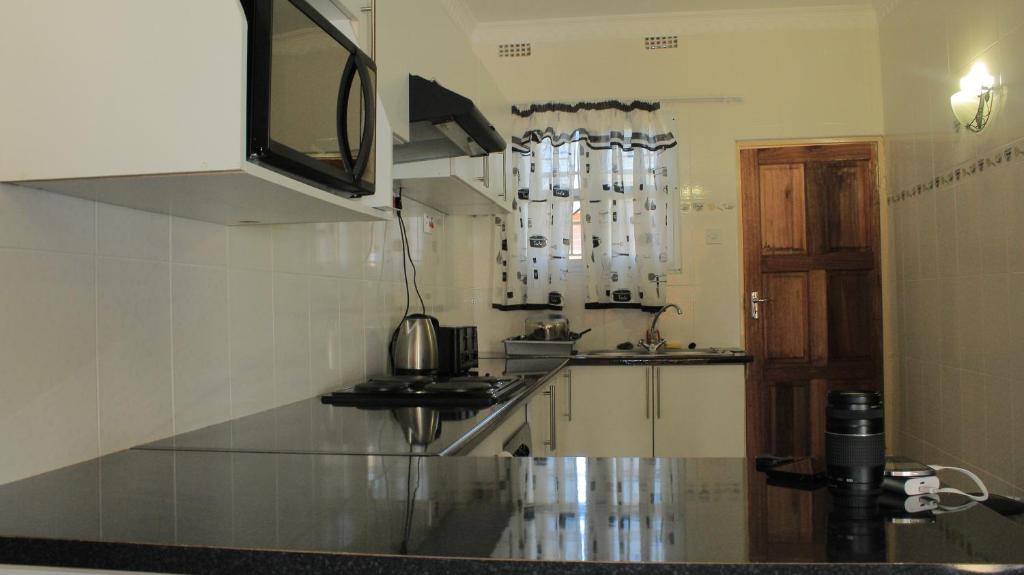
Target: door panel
851,309
782,212
786,338
821,328
848,221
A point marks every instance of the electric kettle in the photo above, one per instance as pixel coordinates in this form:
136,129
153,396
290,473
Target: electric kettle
414,346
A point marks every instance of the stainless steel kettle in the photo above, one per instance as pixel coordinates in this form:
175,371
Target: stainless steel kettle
414,346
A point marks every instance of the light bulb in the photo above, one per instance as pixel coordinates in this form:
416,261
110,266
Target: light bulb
977,80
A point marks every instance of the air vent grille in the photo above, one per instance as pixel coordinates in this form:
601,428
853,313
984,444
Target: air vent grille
514,50
661,42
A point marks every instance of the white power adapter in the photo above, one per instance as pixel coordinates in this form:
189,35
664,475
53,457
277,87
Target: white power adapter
912,485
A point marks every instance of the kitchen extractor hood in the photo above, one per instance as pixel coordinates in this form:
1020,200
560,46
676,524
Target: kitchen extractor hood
444,124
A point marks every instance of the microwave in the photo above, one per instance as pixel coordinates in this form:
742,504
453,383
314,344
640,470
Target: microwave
312,99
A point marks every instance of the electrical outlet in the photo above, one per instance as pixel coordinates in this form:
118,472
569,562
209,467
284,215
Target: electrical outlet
712,236
428,224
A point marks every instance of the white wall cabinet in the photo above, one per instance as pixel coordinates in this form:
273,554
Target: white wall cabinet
458,186
112,108
633,411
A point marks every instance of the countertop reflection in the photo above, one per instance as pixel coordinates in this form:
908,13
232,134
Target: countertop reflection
562,509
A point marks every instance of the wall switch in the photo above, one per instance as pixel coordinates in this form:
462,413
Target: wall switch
428,224
712,236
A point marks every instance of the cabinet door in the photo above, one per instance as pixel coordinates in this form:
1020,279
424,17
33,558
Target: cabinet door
699,411
472,171
607,412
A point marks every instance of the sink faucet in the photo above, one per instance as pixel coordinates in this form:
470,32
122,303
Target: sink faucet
652,339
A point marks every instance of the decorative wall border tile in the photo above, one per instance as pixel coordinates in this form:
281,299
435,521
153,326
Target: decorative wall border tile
1013,151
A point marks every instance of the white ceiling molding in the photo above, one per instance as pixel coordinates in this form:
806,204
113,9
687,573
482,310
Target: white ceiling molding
461,15
680,23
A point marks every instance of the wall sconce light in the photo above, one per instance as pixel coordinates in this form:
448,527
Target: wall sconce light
972,105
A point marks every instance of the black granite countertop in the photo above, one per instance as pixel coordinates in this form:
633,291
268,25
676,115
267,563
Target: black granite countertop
309,426
230,512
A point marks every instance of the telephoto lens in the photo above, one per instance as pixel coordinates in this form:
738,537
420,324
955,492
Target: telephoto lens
855,440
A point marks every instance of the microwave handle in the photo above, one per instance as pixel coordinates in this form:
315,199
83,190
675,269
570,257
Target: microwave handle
341,115
356,66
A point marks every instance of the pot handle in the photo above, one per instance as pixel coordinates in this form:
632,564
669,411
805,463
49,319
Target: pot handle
582,333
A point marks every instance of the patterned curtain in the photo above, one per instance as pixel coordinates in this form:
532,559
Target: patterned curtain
616,162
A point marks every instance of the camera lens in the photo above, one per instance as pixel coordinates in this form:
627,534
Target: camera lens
855,439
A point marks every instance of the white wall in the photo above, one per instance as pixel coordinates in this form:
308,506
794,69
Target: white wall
801,73
958,248
118,326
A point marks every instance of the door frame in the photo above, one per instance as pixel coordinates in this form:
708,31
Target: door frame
885,262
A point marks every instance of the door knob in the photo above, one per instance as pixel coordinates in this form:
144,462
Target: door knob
755,304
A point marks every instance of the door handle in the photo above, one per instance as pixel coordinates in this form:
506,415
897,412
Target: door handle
657,392
755,304
552,418
647,392
568,398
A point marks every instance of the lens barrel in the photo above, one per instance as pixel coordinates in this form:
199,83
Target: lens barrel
855,439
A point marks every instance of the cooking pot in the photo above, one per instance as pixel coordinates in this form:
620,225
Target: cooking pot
547,327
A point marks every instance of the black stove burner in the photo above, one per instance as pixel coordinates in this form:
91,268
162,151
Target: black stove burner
426,391
454,386
382,386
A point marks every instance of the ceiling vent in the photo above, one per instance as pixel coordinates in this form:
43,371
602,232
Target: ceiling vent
661,42
515,50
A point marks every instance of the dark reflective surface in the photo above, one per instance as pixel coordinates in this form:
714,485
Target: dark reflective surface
309,426
579,509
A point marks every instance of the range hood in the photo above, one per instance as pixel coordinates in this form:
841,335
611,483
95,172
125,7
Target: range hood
443,124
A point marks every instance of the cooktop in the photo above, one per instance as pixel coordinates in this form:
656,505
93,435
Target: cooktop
426,391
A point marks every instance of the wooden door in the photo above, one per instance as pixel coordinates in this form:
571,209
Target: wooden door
605,411
811,249
698,411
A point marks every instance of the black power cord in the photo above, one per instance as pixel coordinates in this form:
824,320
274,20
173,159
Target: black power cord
407,262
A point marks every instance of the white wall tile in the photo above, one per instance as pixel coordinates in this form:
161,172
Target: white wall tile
129,233
325,334
35,219
48,350
292,248
251,247
195,242
134,352
202,392
291,337
352,342
251,324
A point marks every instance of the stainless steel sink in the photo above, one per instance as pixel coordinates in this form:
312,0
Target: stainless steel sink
640,353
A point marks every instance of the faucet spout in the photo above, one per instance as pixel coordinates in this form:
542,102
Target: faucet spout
652,339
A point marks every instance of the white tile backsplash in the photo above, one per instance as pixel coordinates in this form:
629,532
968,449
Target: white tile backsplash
133,313
127,233
34,221
201,243
48,416
199,316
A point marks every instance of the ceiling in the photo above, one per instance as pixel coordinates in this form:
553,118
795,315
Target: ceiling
485,11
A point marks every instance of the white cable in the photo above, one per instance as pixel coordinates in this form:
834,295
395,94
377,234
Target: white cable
975,478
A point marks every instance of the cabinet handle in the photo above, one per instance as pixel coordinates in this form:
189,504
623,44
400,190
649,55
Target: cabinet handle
647,393
568,389
657,392
552,418
487,171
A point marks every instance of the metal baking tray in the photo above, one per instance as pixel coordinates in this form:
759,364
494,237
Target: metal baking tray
516,346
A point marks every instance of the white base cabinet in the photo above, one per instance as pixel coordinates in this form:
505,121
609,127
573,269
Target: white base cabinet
605,412
632,411
699,411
